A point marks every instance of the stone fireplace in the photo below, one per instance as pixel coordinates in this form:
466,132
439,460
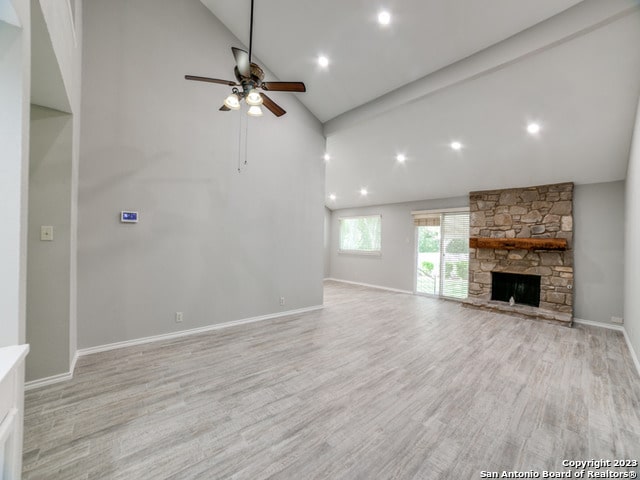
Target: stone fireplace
521,251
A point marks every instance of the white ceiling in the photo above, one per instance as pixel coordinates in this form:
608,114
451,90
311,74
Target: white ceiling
577,74
368,60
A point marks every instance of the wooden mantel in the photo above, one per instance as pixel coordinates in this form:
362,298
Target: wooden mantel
519,243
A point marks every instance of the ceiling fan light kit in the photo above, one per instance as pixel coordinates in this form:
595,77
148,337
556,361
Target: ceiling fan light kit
254,98
232,102
254,111
249,77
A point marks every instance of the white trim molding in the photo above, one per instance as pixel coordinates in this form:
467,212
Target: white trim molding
43,382
619,328
591,323
194,331
634,356
63,377
379,287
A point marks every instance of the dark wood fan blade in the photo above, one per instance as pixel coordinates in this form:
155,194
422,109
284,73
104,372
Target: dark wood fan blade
224,108
211,80
284,86
272,106
242,61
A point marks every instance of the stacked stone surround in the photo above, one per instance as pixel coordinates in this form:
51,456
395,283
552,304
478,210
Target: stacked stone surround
534,212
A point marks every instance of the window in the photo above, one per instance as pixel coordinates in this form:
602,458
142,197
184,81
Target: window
360,234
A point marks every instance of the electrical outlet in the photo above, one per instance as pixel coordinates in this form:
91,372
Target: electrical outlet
46,233
281,300
178,317
617,320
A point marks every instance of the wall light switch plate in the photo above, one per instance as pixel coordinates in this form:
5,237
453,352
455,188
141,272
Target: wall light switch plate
46,233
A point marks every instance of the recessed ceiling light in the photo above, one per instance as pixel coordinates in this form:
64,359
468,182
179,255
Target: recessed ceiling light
363,191
332,196
327,157
533,128
456,145
323,61
384,17
401,158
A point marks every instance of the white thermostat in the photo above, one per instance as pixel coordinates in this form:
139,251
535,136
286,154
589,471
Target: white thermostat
129,217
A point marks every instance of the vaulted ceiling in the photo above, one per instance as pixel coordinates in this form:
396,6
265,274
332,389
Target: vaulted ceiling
473,72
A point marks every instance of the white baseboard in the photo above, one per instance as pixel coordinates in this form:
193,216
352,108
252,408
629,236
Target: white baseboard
619,328
74,361
379,287
43,382
610,326
193,331
634,356
157,338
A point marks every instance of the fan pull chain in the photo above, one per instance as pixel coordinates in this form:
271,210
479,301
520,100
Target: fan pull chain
243,136
240,144
246,139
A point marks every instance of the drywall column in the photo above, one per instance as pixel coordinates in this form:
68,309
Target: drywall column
327,242
14,131
51,291
632,253
48,265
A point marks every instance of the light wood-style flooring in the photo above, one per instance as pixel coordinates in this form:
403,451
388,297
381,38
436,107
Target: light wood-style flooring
377,385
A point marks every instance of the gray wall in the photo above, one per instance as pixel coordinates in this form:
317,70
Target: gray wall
632,253
394,268
327,242
598,217
48,263
599,251
213,243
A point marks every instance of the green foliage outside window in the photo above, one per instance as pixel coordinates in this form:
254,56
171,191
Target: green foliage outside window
428,240
458,245
360,234
428,267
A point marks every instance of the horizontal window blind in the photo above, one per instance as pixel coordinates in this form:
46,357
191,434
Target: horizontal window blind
455,254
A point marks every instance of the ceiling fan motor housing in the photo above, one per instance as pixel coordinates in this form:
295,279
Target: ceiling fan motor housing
253,81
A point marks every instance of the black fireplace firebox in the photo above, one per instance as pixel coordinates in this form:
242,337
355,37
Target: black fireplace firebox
525,289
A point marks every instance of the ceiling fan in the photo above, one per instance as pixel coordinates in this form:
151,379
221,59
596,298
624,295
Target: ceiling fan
249,77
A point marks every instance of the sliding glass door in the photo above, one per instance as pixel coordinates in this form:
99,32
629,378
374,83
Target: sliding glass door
428,268
442,254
